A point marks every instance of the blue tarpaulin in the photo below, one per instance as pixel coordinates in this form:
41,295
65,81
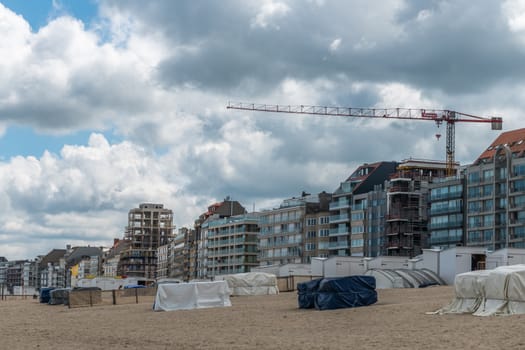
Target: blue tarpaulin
306,292
45,294
335,293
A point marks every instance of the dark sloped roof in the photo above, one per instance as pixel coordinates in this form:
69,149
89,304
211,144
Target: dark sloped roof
79,252
53,256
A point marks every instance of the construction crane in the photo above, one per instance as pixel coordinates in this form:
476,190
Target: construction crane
439,116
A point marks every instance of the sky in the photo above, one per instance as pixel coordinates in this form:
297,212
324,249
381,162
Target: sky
106,104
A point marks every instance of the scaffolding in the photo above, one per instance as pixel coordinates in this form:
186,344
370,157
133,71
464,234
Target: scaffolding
149,227
406,221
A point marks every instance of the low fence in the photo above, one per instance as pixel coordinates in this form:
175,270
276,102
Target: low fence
17,297
83,298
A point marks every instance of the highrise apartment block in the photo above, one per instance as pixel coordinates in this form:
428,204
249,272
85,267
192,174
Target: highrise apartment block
283,229
232,244
496,194
375,219
447,212
149,227
199,250
348,220
317,232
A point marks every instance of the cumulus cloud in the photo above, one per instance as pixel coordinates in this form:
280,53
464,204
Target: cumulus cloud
158,75
334,45
270,10
83,193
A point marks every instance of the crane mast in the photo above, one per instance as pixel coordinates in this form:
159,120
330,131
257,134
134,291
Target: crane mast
439,116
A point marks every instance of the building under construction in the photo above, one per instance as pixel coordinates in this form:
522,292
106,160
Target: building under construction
408,206
149,227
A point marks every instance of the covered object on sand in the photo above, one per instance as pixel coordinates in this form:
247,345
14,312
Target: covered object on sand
192,295
335,293
252,283
59,296
45,294
500,291
404,278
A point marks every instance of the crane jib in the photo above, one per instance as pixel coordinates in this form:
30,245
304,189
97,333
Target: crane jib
436,115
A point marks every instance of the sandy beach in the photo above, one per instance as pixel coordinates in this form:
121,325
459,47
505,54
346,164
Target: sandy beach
397,321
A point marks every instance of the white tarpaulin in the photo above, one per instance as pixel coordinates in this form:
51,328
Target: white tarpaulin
500,291
252,283
192,295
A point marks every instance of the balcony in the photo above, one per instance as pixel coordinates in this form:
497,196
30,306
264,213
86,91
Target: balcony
340,204
397,217
443,225
338,245
334,232
446,196
334,219
448,210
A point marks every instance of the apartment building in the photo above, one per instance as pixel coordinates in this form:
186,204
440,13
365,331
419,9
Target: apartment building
283,230
447,209
178,256
496,194
374,223
198,250
232,244
112,257
348,208
317,232
172,258
52,269
149,227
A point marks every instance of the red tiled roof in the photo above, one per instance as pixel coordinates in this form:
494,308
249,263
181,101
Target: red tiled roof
514,139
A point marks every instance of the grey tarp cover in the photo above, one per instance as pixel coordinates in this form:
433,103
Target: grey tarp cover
252,283
192,295
500,291
59,296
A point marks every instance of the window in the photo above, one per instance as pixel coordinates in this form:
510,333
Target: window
518,170
311,222
356,243
311,234
324,220
474,192
324,232
487,190
358,216
357,229
309,247
473,177
324,245
519,185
